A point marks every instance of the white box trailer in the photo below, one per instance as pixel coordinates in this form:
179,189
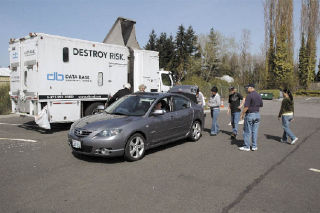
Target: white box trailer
72,77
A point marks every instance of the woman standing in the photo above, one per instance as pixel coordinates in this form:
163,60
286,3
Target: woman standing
286,112
214,104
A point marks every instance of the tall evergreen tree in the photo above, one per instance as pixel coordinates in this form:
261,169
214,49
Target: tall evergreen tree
283,69
191,41
303,64
181,53
211,59
310,28
318,74
151,45
165,46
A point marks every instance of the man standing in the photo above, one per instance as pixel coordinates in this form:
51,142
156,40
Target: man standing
120,93
235,99
214,104
200,98
252,105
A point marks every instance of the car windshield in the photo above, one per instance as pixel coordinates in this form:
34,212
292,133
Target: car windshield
131,105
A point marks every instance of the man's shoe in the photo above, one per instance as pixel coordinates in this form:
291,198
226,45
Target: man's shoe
254,148
233,136
295,140
244,148
213,134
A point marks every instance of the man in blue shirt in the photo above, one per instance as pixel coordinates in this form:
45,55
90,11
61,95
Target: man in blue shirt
252,118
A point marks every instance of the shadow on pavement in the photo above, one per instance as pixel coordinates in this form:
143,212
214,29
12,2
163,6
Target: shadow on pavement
272,137
168,146
120,159
237,142
97,159
31,125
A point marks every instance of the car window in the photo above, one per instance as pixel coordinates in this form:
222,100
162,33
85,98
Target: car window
131,105
163,104
180,103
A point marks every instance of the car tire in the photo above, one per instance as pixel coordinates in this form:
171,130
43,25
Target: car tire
91,109
195,131
135,148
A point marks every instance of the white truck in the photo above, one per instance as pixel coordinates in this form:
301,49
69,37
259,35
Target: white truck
73,77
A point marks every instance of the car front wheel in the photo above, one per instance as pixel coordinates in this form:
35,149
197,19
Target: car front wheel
135,148
195,132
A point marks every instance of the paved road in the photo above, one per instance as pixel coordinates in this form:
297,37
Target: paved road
211,175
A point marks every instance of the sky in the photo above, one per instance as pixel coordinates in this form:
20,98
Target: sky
92,19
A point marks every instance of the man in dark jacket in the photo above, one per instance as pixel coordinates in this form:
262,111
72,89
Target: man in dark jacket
251,116
120,93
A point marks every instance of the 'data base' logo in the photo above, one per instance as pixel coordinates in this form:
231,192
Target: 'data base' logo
55,77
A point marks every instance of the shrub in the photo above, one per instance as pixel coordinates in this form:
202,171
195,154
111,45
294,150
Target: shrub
5,104
314,93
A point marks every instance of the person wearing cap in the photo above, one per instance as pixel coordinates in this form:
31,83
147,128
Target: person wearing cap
120,93
214,104
236,102
252,118
142,88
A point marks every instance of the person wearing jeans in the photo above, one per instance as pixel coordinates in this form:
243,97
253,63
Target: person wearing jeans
235,118
250,130
286,112
252,119
214,104
235,109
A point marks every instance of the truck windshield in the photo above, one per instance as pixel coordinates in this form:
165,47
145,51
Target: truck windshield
131,105
166,80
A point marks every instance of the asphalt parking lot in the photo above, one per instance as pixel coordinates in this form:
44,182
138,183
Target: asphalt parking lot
40,174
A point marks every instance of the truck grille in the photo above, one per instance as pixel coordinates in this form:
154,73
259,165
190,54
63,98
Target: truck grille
82,132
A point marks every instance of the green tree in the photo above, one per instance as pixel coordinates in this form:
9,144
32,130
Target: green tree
303,64
283,67
151,45
165,47
211,60
318,74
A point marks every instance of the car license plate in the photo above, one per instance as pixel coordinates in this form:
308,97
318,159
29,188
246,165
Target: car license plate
76,144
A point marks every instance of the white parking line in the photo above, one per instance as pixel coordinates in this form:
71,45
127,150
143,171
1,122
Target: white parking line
17,139
10,124
314,170
16,124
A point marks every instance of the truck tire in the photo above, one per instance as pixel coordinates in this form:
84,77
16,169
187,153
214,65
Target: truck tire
91,109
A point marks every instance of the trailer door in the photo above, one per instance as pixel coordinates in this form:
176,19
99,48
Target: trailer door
116,77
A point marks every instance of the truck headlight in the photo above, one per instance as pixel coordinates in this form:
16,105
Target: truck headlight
108,132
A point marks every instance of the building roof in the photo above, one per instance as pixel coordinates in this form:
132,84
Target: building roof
4,72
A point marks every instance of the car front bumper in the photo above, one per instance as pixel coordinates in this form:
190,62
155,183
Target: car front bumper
110,147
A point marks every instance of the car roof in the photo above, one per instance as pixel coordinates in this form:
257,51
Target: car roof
157,94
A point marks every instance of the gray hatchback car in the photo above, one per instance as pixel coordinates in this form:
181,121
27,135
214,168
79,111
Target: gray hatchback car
136,123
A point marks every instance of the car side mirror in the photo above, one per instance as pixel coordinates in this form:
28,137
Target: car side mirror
158,112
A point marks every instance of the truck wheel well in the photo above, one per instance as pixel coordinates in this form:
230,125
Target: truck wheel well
86,104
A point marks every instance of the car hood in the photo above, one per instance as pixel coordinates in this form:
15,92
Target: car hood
102,121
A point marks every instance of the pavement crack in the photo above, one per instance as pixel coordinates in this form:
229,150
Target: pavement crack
262,177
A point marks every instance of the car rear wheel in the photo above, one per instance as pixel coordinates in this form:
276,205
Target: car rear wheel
135,148
195,132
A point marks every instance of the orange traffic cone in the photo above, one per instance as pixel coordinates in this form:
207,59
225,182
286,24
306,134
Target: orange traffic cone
221,105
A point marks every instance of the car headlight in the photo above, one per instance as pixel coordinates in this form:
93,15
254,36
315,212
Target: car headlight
108,132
